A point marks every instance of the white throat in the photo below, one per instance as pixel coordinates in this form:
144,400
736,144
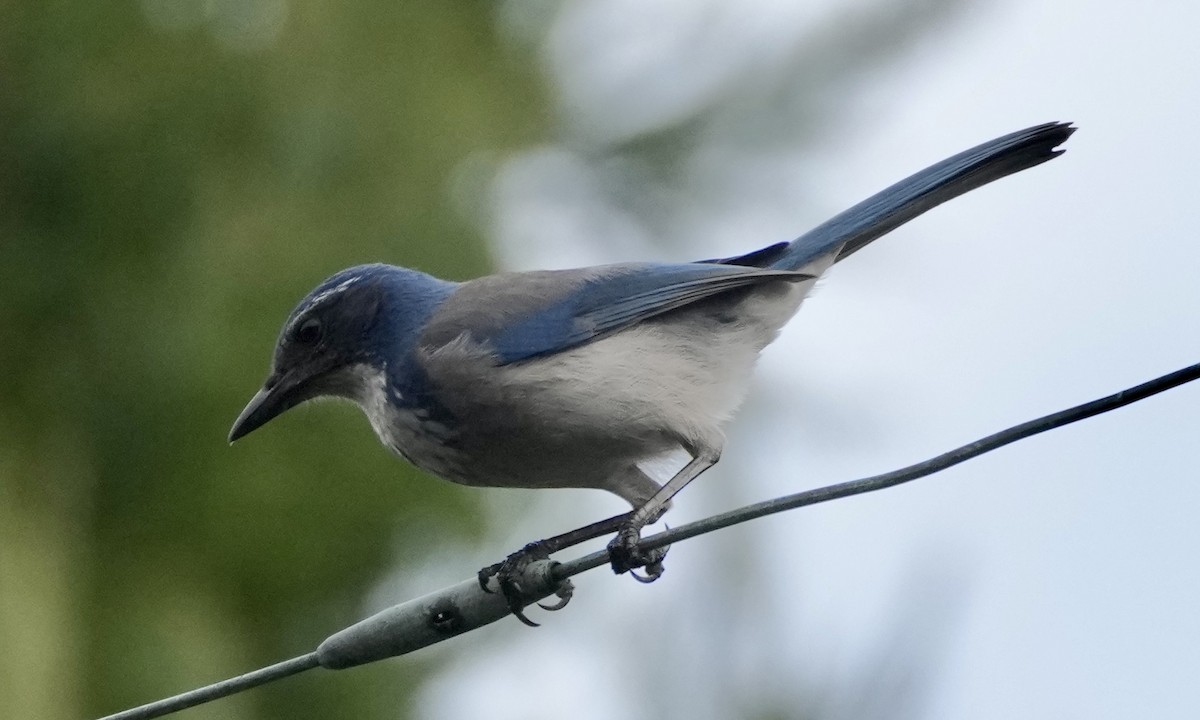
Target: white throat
406,431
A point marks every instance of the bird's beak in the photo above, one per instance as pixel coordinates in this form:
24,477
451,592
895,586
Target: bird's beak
278,393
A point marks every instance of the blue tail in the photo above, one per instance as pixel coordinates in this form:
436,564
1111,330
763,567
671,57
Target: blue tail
852,230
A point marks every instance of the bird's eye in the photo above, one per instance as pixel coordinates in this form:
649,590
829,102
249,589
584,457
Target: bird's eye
309,332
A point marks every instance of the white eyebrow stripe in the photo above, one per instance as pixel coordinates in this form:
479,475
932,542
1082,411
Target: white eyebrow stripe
339,288
322,297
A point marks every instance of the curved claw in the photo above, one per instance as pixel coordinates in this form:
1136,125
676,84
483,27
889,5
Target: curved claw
520,615
512,594
562,603
654,571
565,591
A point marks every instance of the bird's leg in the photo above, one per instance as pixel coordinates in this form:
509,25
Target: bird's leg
624,553
624,550
507,571
544,548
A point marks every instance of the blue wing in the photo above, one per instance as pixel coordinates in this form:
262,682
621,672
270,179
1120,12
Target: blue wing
525,315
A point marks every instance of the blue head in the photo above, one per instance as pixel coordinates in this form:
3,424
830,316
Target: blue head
364,317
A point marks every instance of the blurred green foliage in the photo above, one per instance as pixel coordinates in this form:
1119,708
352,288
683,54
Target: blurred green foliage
174,175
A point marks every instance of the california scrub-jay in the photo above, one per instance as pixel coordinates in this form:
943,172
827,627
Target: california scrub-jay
572,378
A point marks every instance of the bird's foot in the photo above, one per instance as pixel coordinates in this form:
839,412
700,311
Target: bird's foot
508,576
626,555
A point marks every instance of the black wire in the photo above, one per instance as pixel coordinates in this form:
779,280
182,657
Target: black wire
199,696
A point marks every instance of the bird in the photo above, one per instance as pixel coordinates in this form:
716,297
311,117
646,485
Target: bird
576,378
